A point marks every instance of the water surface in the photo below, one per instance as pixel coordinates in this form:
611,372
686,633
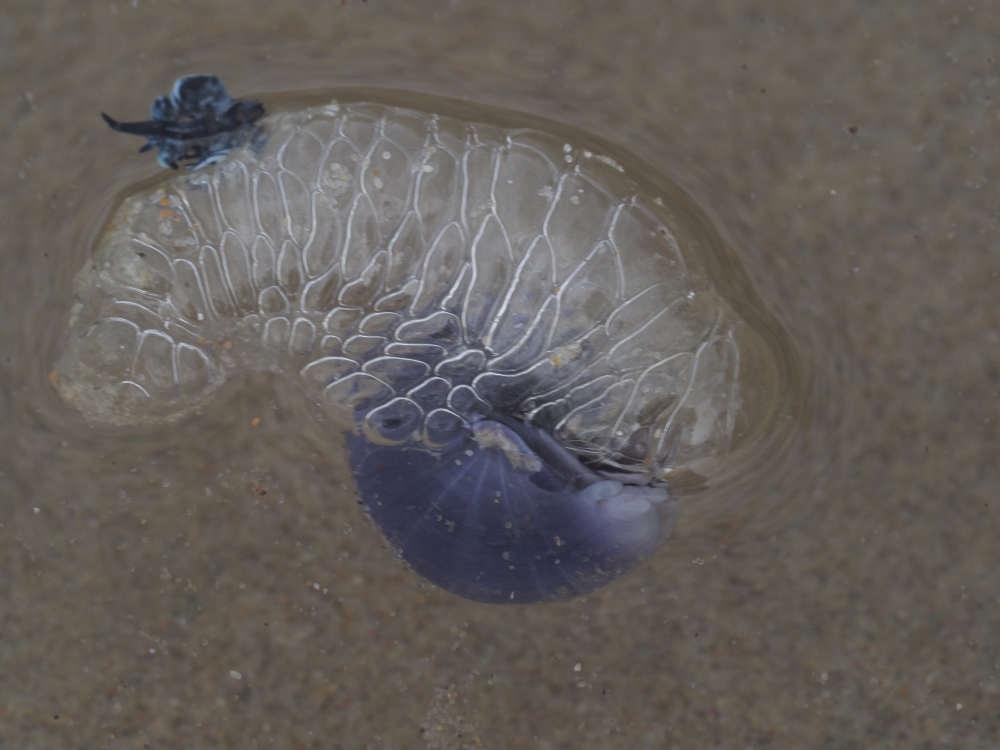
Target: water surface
214,583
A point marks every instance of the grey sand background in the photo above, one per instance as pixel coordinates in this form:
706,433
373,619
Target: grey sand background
212,584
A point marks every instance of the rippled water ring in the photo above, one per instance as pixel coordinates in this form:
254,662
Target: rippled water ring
519,337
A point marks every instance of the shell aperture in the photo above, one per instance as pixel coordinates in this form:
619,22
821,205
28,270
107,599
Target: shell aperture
518,339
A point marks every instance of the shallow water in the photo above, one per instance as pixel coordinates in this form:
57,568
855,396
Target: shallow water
213,583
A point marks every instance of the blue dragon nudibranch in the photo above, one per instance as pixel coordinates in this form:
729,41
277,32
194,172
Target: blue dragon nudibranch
520,341
199,123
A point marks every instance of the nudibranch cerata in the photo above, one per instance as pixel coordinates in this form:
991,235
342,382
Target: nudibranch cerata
519,333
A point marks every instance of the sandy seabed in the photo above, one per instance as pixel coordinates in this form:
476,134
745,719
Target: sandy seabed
212,584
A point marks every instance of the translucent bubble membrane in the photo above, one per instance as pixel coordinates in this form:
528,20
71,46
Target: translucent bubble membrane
410,269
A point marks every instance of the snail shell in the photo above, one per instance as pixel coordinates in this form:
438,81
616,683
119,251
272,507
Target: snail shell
519,349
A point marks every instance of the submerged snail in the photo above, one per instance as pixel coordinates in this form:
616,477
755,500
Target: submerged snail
521,337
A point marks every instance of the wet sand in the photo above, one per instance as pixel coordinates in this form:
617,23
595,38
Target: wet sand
212,584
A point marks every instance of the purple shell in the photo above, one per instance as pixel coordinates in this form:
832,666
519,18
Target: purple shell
492,519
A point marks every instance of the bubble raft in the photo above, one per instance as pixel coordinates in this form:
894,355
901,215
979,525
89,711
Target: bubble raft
410,270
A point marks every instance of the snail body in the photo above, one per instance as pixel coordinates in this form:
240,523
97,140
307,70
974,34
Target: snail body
504,323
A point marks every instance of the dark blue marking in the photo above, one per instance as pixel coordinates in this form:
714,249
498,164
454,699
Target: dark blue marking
199,122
